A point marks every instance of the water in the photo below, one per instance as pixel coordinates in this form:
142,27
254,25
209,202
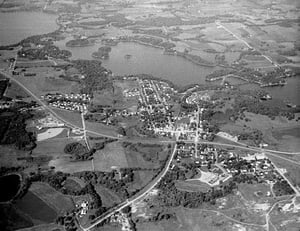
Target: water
15,26
11,184
145,60
290,92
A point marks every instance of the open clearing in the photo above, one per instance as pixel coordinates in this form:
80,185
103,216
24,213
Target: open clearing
64,164
52,147
112,156
254,192
192,186
107,196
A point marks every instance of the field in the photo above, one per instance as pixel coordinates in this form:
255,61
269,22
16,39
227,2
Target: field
74,184
15,91
64,164
145,156
52,147
254,192
100,128
43,83
72,117
56,200
9,155
36,208
44,227
192,186
112,156
293,170
196,220
108,197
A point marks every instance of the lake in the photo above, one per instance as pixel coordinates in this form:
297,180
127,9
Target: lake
9,186
15,26
289,92
145,60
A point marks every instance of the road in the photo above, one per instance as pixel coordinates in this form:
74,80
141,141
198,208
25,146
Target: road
150,186
246,43
239,145
84,130
284,177
136,197
7,75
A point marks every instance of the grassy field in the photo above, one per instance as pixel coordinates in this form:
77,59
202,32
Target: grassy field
36,208
45,227
9,155
72,184
141,179
64,164
100,128
108,197
111,156
249,191
192,186
15,91
193,220
145,156
51,147
72,117
56,200
42,84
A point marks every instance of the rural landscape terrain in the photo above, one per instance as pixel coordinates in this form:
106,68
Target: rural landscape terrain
138,115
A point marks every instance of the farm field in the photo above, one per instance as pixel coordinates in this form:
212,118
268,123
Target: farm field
74,184
36,208
43,85
44,227
72,117
56,200
107,196
100,128
255,192
192,186
112,156
15,91
52,147
64,164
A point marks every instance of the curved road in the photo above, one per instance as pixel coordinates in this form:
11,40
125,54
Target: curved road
137,197
150,186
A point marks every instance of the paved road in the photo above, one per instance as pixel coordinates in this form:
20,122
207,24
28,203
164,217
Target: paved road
246,43
50,110
239,145
137,197
162,174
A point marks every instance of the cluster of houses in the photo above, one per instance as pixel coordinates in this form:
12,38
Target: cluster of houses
197,96
71,102
257,165
83,207
220,165
72,97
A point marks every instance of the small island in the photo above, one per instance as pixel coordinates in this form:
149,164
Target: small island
127,56
79,43
102,53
